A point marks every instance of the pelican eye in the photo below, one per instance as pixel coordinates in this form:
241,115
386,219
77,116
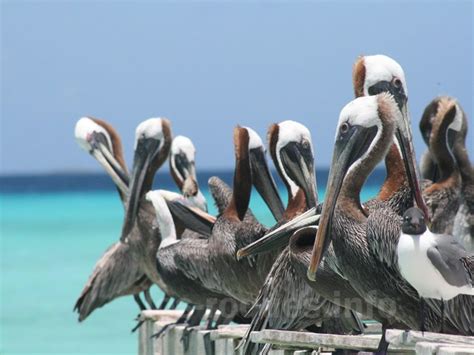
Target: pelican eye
397,82
305,144
344,128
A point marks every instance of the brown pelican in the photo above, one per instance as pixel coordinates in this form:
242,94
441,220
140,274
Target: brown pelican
436,265
115,274
463,226
365,132
375,74
444,196
179,283
152,146
183,170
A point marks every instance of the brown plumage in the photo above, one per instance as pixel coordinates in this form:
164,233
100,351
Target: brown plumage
116,273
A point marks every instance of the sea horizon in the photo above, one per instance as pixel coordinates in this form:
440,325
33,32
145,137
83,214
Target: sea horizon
100,181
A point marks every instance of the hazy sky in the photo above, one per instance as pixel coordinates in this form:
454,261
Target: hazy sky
208,66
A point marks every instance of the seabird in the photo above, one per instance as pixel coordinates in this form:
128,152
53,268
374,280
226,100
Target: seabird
436,265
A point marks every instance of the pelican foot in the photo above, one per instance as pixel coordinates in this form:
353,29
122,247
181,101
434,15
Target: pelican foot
186,337
139,324
175,303
209,345
164,302
166,328
383,345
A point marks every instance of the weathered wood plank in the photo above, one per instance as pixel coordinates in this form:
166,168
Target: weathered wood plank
229,332
304,340
166,315
410,338
455,350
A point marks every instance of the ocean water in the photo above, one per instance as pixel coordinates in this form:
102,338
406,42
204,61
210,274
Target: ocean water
52,232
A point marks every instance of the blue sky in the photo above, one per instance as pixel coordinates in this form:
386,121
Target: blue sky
208,66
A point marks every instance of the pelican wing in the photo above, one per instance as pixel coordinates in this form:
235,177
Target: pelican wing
115,274
192,218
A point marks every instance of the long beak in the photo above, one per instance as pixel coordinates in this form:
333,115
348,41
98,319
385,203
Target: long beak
279,237
186,170
141,164
300,168
405,140
263,181
105,158
183,167
346,152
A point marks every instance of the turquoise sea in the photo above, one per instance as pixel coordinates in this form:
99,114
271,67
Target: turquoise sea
53,229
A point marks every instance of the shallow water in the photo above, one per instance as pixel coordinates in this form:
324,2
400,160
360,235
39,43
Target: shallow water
49,245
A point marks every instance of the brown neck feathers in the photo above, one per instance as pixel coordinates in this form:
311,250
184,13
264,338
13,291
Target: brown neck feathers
242,177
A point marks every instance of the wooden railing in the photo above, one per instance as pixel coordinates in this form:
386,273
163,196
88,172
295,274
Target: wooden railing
225,339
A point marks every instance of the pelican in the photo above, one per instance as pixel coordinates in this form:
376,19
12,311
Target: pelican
179,283
444,196
365,132
115,274
182,162
463,226
152,147
436,265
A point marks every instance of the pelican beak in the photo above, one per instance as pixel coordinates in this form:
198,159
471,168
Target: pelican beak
298,163
145,152
396,91
405,139
279,237
263,181
186,172
403,134
184,167
101,152
347,150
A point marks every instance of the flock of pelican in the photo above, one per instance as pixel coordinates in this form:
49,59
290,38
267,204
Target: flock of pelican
404,258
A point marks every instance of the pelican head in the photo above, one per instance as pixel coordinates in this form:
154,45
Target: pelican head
261,177
364,134
152,144
443,108
375,74
183,170
99,139
291,147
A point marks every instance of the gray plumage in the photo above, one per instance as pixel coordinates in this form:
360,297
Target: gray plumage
287,302
114,275
451,260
